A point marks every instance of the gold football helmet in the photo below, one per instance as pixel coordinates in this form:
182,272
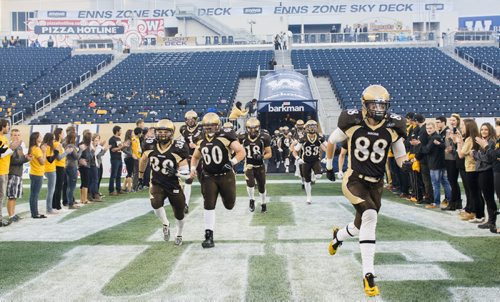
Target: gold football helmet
164,131
299,125
285,130
227,125
191,118
211,123
276,132
375,100
253,127
311,126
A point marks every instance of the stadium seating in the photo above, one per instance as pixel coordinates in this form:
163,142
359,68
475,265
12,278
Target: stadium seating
486,55
158,85
423,80
47,71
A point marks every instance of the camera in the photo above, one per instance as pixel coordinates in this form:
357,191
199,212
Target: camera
454,130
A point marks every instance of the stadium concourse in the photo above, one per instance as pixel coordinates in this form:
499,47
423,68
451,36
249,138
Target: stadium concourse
113,115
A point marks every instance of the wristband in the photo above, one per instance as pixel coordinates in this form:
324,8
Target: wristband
329,163
234,161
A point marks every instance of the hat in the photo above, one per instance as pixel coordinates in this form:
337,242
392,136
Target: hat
419,118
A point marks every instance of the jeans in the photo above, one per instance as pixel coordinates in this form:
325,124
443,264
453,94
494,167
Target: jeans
440,177
35,187
71,179
60,176
116,175
94,180
51,187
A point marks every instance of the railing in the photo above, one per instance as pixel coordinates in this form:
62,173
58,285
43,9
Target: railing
256,91
65,89
322,119
44,102
488,69
469,58
475,36
84,77
17,118
101,65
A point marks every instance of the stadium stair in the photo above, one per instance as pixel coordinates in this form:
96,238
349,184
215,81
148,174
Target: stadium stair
119,57
246,90
328,104
284,59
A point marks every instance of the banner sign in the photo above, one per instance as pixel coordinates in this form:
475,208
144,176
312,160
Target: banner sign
308,9
65,31
286,106
480,23
286,85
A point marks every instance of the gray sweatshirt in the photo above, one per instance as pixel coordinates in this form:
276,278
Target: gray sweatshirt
17,160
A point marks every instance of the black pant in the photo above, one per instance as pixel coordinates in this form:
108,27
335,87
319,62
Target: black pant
60,176
468,202
497,184
426,178
99,171
64,188
486,185
395,173
452,171
477,202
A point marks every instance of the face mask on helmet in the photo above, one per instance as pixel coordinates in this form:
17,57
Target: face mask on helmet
190,122
163,136
210,129
253,131
312,129
376,110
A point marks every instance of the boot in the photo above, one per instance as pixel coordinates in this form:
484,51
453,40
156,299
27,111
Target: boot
83,196
209,239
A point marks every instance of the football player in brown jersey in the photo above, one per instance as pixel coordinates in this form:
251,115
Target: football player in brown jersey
369,134
218,178
191,133
308,152
257,145
167,159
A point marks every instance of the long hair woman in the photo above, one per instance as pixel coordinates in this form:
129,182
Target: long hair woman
84,166
37,169
50,170
129,161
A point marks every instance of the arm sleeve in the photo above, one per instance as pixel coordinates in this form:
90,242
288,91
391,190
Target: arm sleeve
337,136
398,148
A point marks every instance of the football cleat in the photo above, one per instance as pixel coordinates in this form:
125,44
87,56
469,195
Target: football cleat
186,209
209,239
166,232
371,290
178,240
308,201
263,208
335,243
252,205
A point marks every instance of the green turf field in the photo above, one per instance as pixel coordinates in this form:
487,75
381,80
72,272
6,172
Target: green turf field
269,267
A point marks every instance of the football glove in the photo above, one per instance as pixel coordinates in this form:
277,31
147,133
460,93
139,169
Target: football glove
171,171
407,166
330,175
300,161
257,156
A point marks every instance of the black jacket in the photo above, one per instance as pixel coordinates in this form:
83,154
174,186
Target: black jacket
433,152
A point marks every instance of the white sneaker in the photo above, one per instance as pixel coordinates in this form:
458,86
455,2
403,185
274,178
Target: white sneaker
476,220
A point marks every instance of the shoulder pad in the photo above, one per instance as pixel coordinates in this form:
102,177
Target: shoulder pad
349,118
229,134
182,128
398,123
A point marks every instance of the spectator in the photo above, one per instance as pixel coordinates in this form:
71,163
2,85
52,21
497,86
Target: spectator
12,42
271,64
495,155
415,176
15,182
484,168
35,44
251,107
435,157
84,166
450,164
100,150
129,161
50,42
5,42
38,152
469,127
277,44
96,151
237,114
136,154
116,146
69,129
60,163
71,169
6,152
456,126
50,170
423,139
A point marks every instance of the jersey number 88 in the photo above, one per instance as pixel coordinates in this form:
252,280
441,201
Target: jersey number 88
362,152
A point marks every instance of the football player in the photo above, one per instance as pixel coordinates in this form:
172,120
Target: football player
284,145
275,149
148,143
298,133
217,176
257,145
168,158
369,134
191,132
307,153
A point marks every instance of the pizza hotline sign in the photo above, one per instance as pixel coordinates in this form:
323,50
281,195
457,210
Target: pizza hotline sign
64,32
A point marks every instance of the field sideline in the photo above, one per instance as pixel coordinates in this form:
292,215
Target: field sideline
113,251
